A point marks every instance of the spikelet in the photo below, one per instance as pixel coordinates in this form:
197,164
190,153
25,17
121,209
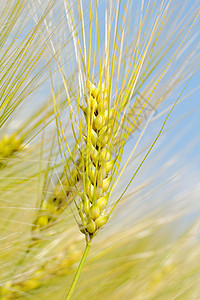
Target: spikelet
98,161
9,145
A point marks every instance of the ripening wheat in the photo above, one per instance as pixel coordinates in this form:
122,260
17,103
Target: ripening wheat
87,89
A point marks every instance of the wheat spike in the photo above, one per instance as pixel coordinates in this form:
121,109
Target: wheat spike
9,145
97,160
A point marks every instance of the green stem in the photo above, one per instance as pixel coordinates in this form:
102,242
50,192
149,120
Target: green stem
78,272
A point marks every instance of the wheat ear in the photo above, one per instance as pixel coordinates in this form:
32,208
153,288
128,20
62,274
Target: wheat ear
9,145
97,161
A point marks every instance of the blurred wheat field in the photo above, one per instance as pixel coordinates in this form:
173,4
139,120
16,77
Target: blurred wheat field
108,77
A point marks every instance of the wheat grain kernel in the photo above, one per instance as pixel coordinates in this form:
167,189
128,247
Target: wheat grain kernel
102,202
94,211
91,226
106,184
100,221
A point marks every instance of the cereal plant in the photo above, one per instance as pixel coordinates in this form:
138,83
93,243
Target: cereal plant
97,148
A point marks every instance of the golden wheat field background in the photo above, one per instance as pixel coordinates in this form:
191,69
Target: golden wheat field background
99,149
